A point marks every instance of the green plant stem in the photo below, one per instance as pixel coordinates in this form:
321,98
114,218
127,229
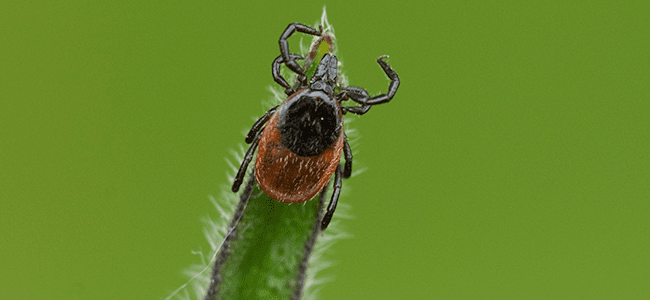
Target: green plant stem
266,251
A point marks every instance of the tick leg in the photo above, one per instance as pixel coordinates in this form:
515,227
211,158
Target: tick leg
347,171
258,125
275,70
335,199
357,94
284,47
360,95
244,165
359,110
392,88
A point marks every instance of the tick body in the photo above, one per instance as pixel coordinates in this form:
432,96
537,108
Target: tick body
283,173
301,140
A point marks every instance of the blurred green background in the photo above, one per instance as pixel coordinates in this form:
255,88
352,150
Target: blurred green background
512,164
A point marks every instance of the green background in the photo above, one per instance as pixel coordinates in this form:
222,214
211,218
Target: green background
512,164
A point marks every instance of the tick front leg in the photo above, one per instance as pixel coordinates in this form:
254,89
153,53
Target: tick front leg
284,46
360,95
357,94
392,88
275,70
335,199
239,178
359,110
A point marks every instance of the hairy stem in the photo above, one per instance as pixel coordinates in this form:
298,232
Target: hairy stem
266,252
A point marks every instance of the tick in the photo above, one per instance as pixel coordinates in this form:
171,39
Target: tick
300,141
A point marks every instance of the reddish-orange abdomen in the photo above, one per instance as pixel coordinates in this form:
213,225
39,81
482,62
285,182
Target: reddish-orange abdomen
290,178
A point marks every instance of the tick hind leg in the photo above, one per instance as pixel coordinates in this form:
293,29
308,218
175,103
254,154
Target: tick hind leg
335,198
347,152
259,123
239,178
253,137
